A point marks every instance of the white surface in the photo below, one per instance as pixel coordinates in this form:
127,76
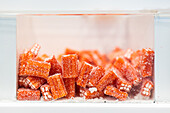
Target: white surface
47,5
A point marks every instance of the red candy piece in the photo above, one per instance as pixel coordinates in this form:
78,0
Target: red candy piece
70,87
84,73
147,86
112,91
21,82
32,53
45,90
37,68
96,74
147,62
55,66
69,66
106,80
90,93
28,94
127,70
56,83
34,82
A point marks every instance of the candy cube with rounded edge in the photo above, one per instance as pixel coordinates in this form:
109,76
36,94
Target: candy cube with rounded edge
45,91
70,66
37,68
147,86
57,86
127,70
35,82
55,66
70,87
30,54
22,83
112,91
96,74
84,73
28,94
106,80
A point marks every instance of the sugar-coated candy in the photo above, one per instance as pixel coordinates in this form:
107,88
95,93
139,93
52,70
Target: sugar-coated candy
57,86
96,74
86,56
69,66
70,87
71,51
106,80
30,54
21,82
84,73
55,66
121,83
90,93
97,58
147,86
112,91
136,59
37,68
147,62
128,53
45,90
42,57
35,82
127,70
28,94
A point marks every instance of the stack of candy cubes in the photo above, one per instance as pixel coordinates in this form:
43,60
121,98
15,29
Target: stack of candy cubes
120,74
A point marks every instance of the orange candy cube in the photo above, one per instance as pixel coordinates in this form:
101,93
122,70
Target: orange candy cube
45,90
21,82
35,82
55,66
70,87
69,66
127,70
56,83
96,74
112,91
147,86
28,94
106,80
42,57
37,68
84,73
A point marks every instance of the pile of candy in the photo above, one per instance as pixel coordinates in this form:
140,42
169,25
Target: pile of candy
120,74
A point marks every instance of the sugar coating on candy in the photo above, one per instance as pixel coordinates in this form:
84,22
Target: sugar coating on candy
97,58
21,82
106,80
147,86
112,91
90,93
96,74
128,53
28,94
127,70
55,66
71,51
45,90
37,68
86,56
84,73
57,86
42,57
30,54
69,66
147,62
34,82
70,87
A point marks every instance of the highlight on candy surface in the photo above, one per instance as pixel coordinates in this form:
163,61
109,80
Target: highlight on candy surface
147,86
56,83
45,90
70,87
84,74
70,66
28,94
37,68
55,66
96,74
112,91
